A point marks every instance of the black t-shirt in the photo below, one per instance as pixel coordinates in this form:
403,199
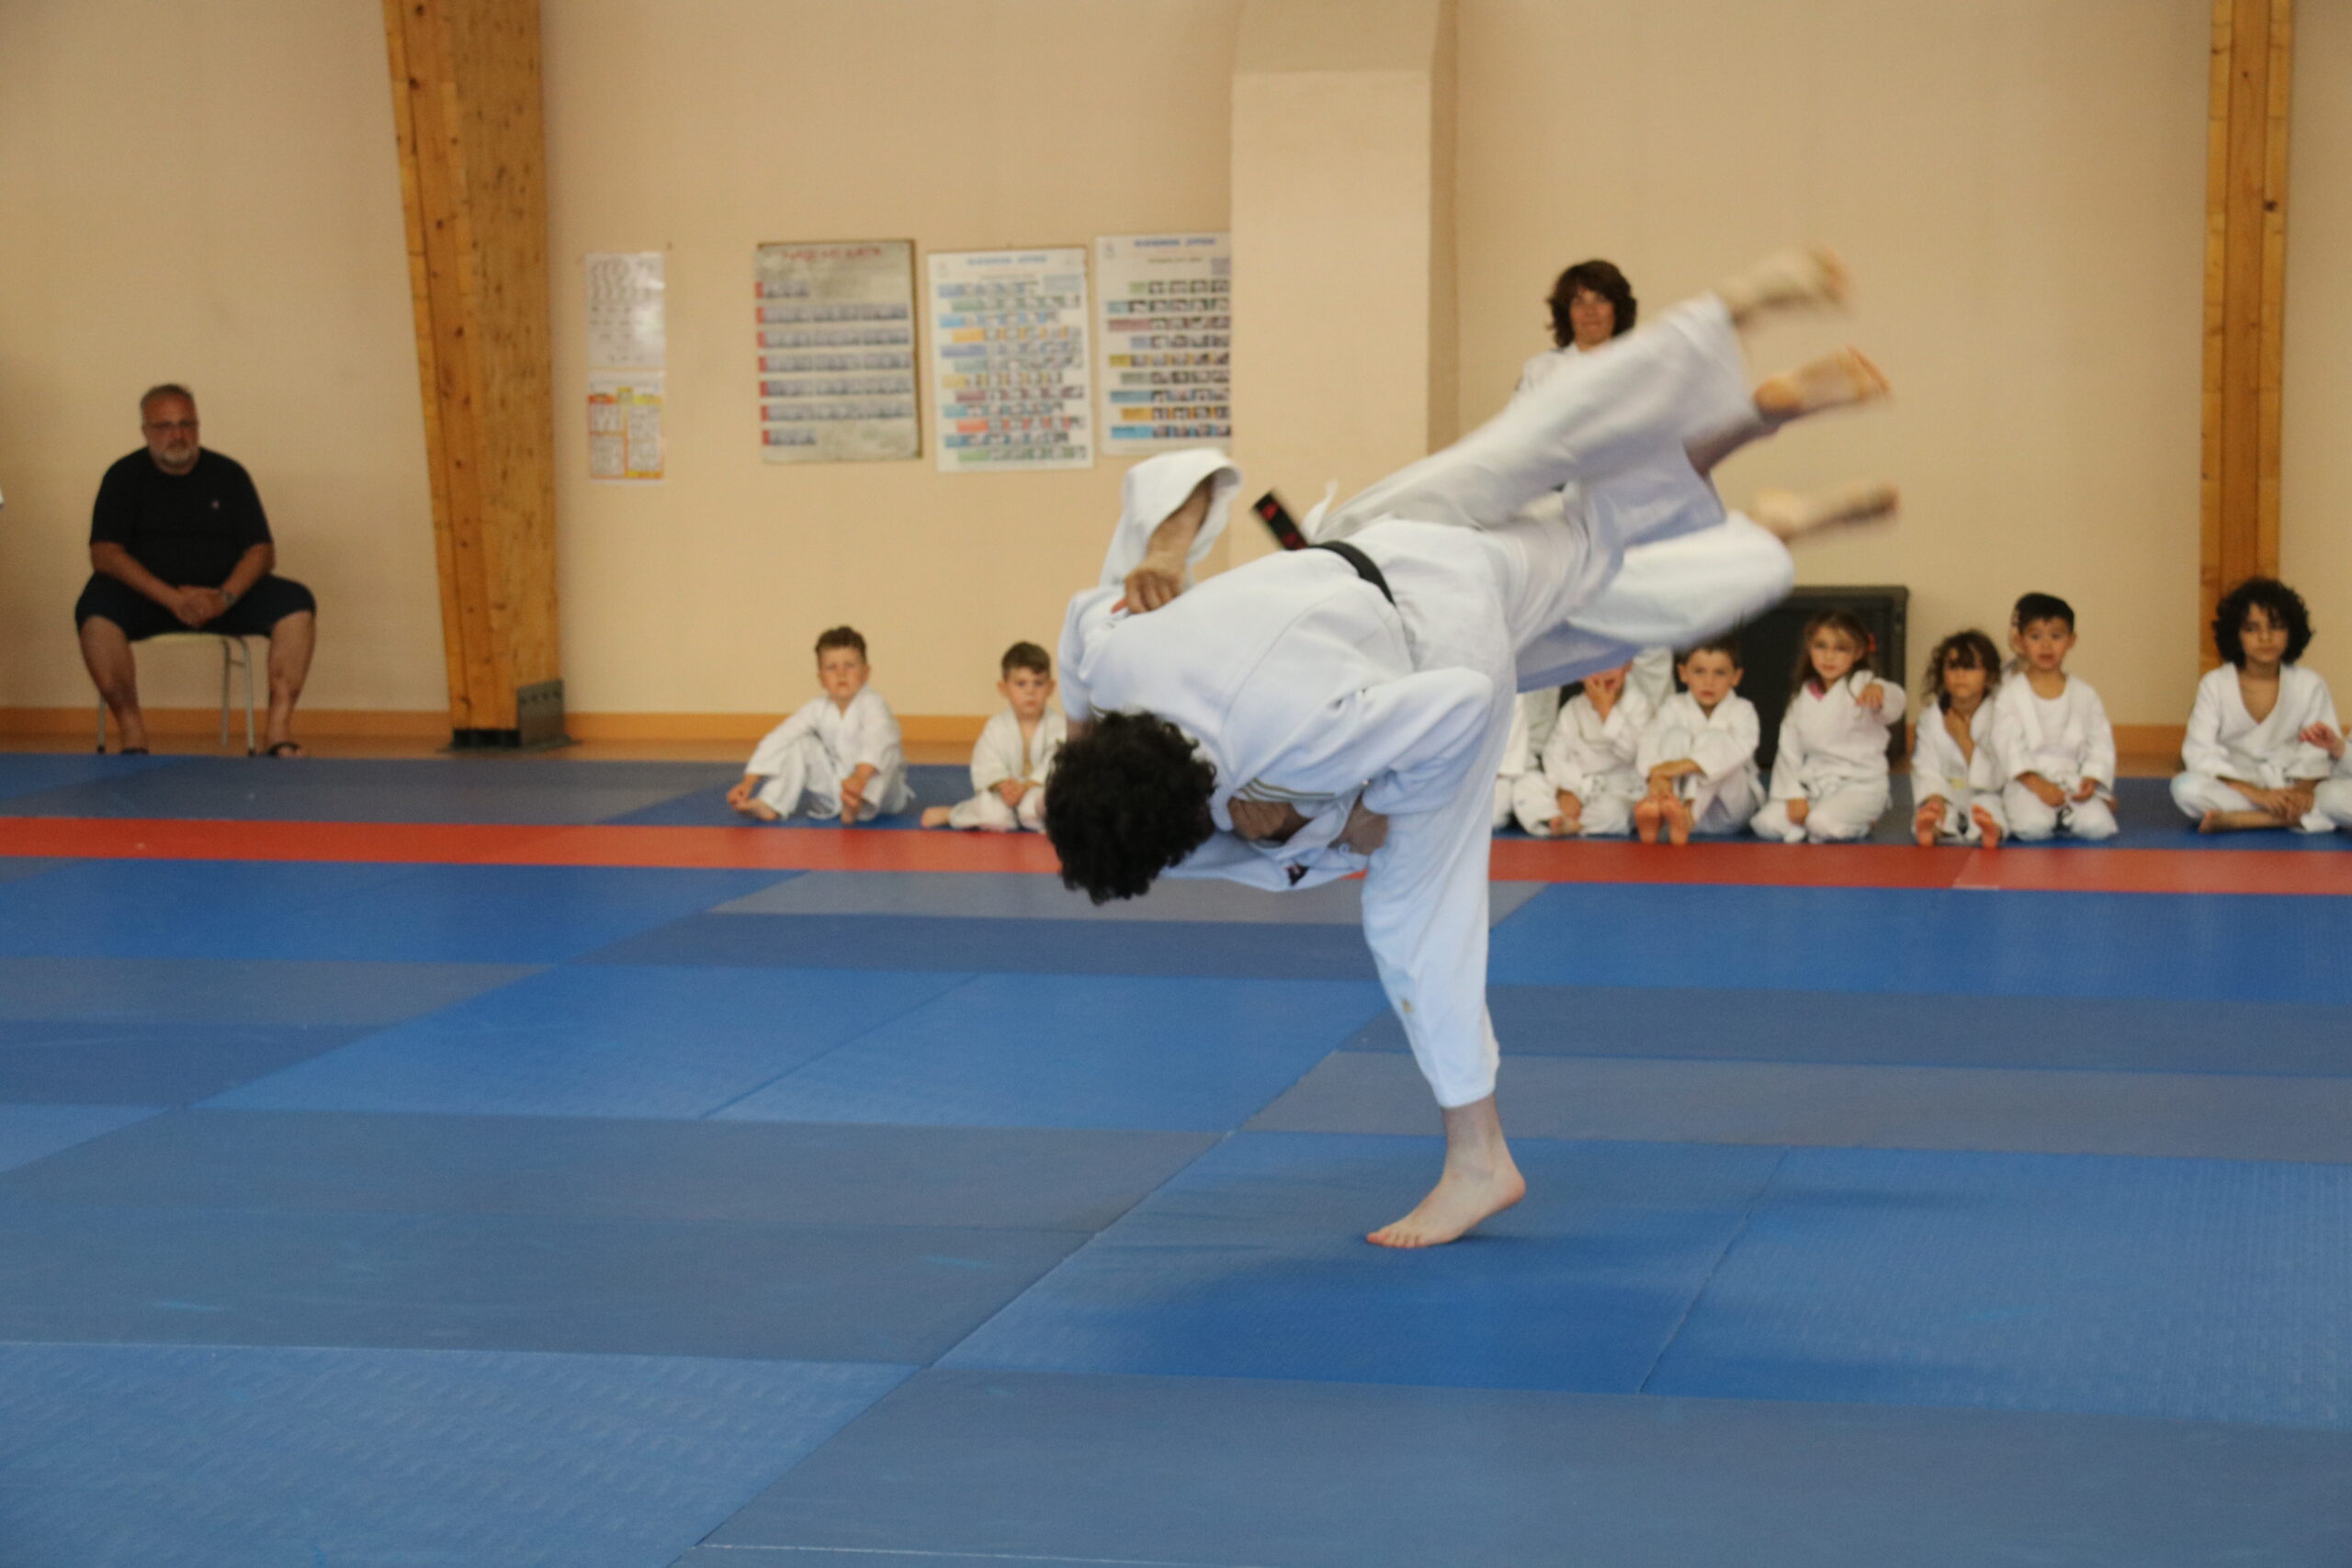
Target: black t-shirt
188,529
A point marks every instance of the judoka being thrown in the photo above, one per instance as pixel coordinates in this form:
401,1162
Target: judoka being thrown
1343,709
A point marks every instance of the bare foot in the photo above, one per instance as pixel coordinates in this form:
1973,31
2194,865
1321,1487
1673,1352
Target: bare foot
760,810
1843,380
1797,279
2237,821
937,816
1648,817
1678,820
1923,829
1988,831
1791,515
1480,1179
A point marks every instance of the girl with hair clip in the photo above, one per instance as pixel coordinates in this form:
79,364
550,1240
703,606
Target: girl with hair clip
2258,736
1955,780
1829,779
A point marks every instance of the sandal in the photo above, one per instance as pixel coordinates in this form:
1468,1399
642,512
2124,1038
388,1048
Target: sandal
286,749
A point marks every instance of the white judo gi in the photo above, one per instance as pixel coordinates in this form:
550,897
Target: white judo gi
2224,742
1832,756
804,760
1962,783
1723,794
2065,739
1001,755
1521,795
1300,682
2333,798
1593,759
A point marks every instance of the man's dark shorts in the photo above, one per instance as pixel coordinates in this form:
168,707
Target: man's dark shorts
266,604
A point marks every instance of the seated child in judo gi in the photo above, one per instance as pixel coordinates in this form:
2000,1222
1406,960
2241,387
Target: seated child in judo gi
1698,754
840,754
1015,753
1829,778
2050,733
1520,791
1590,782
1956,777
2246,763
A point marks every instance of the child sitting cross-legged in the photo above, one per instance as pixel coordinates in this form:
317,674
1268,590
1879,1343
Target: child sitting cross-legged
1956,778
1590,778
1697,755
2247,759
1830,775
2050,732
1015,752
840,753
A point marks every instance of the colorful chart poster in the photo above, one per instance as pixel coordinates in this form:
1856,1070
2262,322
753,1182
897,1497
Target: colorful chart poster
628,342
625,424
836,326
1012,382
1167,340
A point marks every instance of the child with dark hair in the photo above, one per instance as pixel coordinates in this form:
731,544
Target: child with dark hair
1955,777
1015,752
2245,761
1697,759
840,753
1830,781
2050,733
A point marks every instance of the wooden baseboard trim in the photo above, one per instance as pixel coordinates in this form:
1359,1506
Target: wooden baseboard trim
914,727
2150,740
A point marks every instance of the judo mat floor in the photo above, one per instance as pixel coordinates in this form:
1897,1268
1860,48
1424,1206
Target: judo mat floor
499,1162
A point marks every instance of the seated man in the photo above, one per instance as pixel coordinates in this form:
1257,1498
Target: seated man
179,541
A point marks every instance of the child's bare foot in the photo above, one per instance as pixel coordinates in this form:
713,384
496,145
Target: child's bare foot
1924,826
1678,820
937,816
2238,821
1843,380
1796,279
1649,815
1988,832
1791,516
760,811
1480,1179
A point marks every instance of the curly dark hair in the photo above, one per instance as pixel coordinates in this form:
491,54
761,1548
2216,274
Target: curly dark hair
1604,279
1125,803
1970,649
2286,608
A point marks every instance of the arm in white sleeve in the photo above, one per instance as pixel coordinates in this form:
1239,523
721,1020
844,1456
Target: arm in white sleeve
2309,762
2200,748
1723,752
2099,741
1088,616
2010,740
992,761
767,758
1890,707
869,735
1926,779
1410,738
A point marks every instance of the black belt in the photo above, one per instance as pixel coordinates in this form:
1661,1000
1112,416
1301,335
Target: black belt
1361,561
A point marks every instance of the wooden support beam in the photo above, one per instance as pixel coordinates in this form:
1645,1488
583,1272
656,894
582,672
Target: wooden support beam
466,102
2245,276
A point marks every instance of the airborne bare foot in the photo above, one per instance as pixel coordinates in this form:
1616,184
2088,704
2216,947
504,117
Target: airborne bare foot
1843,380
1791,515
1796,279
1479,1181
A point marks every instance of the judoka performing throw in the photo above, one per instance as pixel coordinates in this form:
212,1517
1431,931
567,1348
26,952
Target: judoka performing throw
1343,709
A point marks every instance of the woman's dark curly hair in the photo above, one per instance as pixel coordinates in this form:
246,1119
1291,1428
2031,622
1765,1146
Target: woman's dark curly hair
2286,608
1125,803
1604,279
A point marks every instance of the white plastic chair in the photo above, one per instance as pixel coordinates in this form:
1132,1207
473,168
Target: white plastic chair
234,655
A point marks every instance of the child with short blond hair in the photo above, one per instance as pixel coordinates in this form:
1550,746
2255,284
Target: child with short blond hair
1015,753
840,753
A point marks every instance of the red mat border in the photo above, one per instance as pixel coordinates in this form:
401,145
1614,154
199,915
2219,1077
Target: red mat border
831,848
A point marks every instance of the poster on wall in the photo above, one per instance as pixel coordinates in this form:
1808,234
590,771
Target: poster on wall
1167,335
836,327
1009,372
628,346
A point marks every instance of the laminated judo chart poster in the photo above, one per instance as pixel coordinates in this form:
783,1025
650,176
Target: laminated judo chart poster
627,350
1015,387
836,351
1167,340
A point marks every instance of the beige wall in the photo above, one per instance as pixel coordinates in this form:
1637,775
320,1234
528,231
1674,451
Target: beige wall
208,193
2316,486
705,129
207,190
2019,187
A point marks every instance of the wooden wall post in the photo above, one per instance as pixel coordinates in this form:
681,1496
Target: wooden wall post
2245,276
473,180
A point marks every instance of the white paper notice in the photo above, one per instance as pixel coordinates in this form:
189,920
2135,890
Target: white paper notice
627,329
836,327
625,424
1167,340
1009,371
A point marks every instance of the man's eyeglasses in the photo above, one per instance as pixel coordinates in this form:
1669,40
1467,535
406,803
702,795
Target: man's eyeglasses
169,424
